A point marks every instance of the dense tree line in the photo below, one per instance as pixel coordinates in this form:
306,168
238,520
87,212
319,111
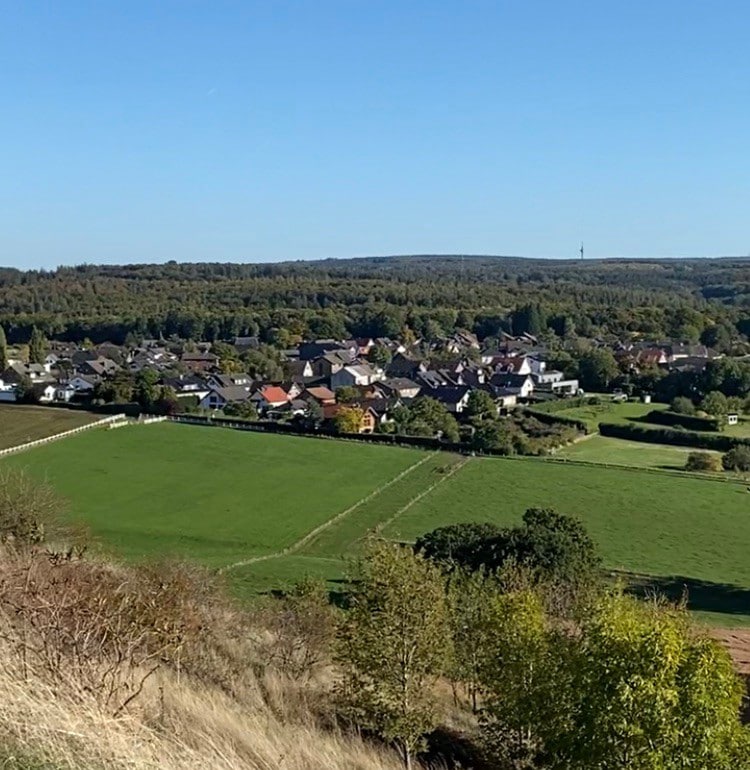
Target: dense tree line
429,296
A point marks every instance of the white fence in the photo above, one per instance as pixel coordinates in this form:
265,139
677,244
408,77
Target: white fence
140,421
29,445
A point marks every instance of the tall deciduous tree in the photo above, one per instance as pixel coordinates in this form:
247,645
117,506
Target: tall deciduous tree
393,644
37,346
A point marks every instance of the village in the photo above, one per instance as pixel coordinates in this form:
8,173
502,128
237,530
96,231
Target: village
324,381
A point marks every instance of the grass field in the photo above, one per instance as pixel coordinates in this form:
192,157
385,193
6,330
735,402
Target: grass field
614,451
273,508
610,411
20,424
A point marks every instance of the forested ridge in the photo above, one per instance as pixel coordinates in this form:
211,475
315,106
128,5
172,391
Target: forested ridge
373,296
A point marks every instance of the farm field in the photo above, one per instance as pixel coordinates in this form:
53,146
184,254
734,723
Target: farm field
614,451
20,424
274,508
211,494
610,411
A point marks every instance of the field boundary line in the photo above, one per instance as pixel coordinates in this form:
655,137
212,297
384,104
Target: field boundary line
455,469
57,436
313,533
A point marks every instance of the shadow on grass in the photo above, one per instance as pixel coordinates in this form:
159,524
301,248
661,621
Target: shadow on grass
701,595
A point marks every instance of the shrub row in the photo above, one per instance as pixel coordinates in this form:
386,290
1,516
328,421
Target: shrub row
633,432
557,419
687,421
561,404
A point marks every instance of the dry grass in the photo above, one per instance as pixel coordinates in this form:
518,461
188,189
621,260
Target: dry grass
107,667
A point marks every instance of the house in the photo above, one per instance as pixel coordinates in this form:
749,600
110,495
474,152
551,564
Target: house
453,398
299,370
99,367
520,385
733,418
431,379
320,394
309,351
402,365
229,380
330,363
7,391
566,387
44,393
401,386
243,344
461,340
186,385
356,374
369,416
512,364
199,361
218,397
269,396
83,385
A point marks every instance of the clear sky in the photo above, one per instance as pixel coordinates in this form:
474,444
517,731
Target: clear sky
247,131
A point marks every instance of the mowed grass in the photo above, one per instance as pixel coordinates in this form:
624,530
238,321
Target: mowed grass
214,495
20,424
613,451
650,523
610,411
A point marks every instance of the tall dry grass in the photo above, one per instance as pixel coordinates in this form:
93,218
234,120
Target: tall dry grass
107,667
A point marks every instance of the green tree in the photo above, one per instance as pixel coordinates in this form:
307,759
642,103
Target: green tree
349,419
481,405
4,362
682,405
314,415
494,435
393,644
520,670
439,421
145,390
648,692
380,355
37,346
347,394
245,410
458,545
715,404
597,368
737,459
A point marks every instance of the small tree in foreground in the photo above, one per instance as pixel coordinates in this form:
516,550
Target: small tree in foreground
393,644
647,691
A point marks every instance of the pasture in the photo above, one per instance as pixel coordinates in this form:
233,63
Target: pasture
271,508
613,451
20,423
610,411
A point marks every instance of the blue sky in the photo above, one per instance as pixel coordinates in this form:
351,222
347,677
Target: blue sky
249,131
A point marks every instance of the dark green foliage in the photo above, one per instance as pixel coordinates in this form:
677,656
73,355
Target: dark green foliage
37,346
554,546
703,462
597,368
682,405
458,544
737,459
683,420
632,432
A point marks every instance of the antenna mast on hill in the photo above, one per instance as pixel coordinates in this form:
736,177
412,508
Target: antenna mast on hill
581,250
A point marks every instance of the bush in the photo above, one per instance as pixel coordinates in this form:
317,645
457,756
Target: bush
682,420
631,432
703,461
737,459
682,405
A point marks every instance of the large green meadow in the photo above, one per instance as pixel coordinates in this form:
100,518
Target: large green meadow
270,509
